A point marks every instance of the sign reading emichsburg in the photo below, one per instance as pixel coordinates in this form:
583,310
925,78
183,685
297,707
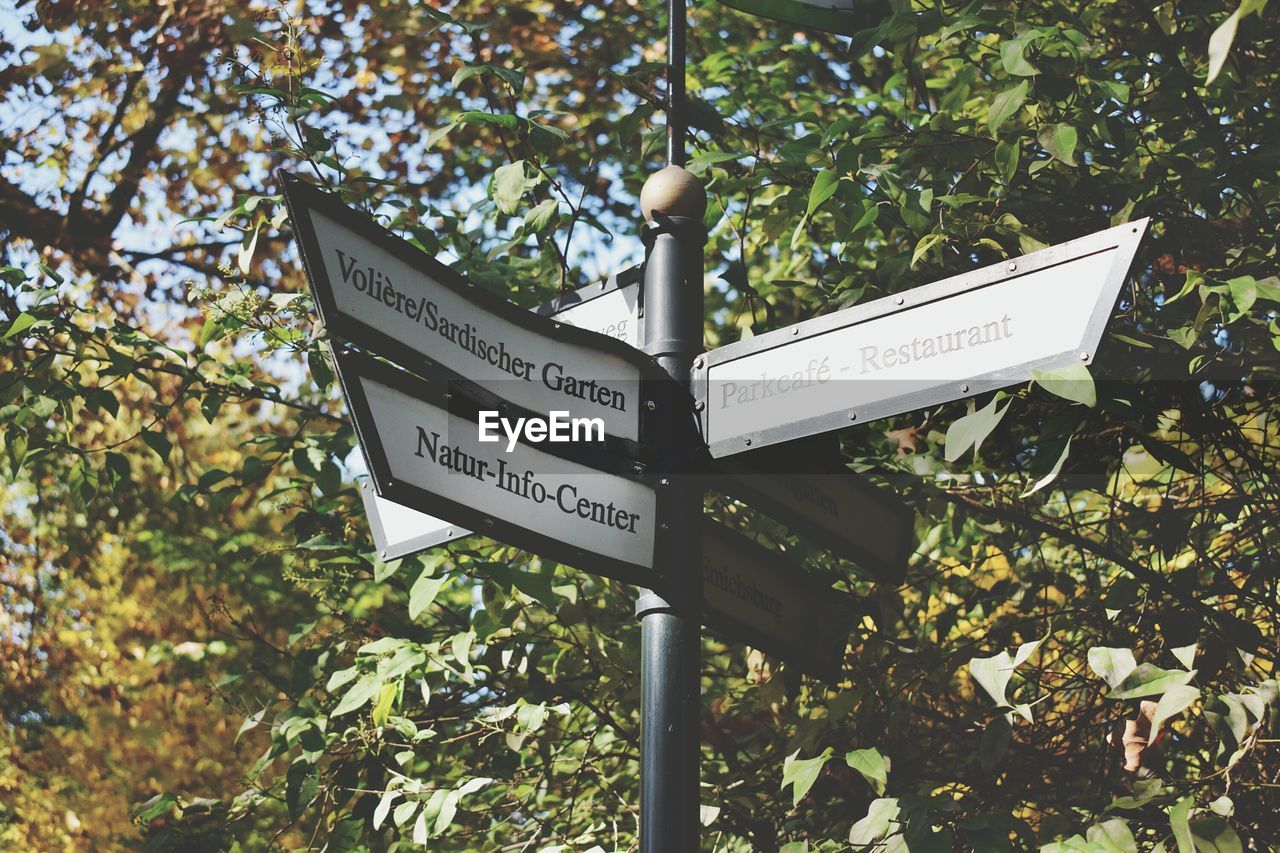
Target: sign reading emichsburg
389,297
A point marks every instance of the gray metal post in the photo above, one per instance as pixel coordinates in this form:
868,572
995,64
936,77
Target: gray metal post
670,622
670,704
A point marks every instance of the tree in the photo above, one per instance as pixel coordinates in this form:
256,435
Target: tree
1082,654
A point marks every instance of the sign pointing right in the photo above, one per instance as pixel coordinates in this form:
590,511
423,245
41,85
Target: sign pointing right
955,338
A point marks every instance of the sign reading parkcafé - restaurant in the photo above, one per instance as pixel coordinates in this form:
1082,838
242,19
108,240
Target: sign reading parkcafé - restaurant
944,341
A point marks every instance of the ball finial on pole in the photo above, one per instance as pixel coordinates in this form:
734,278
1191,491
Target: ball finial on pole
673,191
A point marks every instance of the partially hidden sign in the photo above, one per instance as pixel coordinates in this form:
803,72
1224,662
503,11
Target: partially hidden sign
389,297
804,485
835,16
955,338
399,531
422,448
614,307
761,597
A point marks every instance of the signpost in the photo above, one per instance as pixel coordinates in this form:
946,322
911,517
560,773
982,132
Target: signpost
955,338
753,594
421,444
630,507
389,297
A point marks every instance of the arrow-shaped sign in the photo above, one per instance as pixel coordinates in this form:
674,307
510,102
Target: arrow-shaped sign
389,297
422,447
399,531
614,308
955,338
803,485
754,595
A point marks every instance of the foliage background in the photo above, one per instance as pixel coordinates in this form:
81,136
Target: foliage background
201,651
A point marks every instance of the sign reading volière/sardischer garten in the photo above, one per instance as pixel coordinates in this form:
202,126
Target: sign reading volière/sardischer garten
421,442
955,338
389,297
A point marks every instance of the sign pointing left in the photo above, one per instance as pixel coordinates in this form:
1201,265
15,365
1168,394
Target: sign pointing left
423,451
391,298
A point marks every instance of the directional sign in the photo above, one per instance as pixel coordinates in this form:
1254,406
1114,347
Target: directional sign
422,447
943,341
758,596
399,531
383,294
836,16
803,485
613,308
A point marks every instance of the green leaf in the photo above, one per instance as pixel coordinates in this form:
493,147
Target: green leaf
1073,382
1053,472
541,216
383,807
19,325
385,569
926,243
386,698
1179,822
875,826
158,442
251,722
466,72
1005,105
824,186
1112,836
993,674
1149,680
439,133
1007,159
508,186
972,429
212,330
1144,791
1175,700
801,773
1111,664
1214,835
994,744
1269,288
424,591
158,806
359,693
1243,292
247,247
871,212
873,766
404,812
1060,141
1012,56
1220,44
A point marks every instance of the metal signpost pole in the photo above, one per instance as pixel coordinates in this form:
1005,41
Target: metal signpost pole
673,203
